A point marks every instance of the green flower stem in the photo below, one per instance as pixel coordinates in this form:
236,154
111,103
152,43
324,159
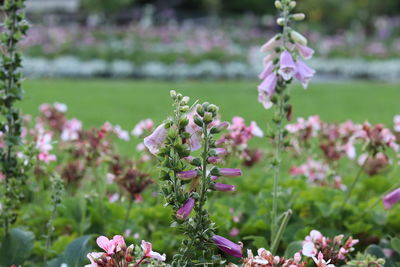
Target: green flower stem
352,186
128,210
277,168
204,176
281,230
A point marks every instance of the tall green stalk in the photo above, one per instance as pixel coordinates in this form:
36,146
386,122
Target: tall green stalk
15,27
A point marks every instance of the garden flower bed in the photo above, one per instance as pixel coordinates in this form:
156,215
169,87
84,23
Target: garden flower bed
197,191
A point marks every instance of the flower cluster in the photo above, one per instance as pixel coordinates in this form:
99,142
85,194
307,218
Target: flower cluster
283,60
188,179
118,254
44,145
318,173
326,252
130,178
235,141
338,140
264,258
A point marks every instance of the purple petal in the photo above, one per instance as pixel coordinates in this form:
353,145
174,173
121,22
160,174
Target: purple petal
392,198
228,246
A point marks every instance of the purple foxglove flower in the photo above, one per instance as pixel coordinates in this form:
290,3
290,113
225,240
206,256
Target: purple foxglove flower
228,246
184,212
305,51
270,44
220,151
214,160
194,141
304,73
267,89
214,178
228,172
224,187
392,198
267,70
287,66
187,175
156,140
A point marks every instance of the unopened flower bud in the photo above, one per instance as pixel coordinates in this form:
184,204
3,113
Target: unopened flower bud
184,212
228,172
278,4
228,246
220,151
184,108
172,133
183,122
172,93
179,96
208,117
292,4
205,105
212,108
298,38
187,175
224,187
215,172
299,16
196,162
198,121
185,100
280,21
274,99
200,110
214,160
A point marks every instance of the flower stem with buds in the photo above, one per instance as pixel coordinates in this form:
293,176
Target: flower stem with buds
15,27
57,189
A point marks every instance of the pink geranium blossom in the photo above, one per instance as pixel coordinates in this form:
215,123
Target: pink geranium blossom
149,253
397,123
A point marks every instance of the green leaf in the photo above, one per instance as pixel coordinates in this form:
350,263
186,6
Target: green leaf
75,253
395,242
56,262
293,248
375,251
258,241
16,247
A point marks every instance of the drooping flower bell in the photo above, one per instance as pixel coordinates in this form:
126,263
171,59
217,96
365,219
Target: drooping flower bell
287,66
156,140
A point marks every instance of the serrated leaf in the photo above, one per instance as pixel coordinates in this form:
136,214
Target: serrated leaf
75,253
16,247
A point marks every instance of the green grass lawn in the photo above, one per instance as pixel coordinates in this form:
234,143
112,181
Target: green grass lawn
125,102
